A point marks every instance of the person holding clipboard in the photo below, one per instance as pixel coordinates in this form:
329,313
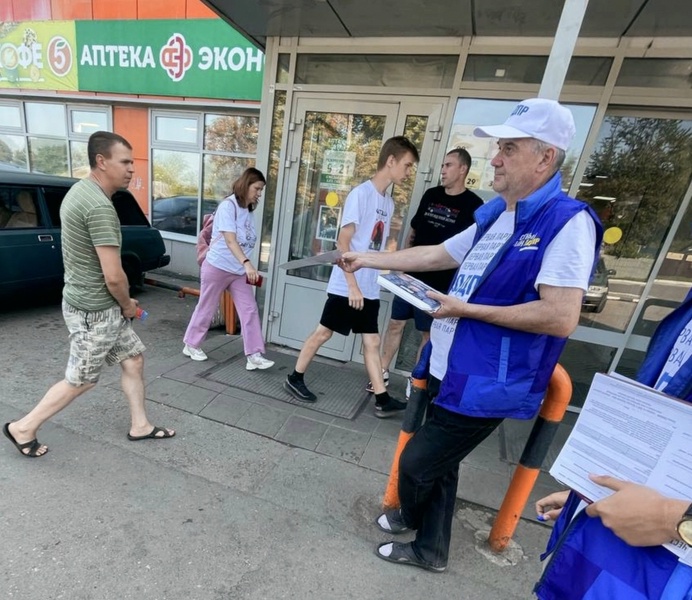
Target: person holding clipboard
612,550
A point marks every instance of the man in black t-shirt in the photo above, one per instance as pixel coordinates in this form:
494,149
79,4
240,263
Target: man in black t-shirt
444,211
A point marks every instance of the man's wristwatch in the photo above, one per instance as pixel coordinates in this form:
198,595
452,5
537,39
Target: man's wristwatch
685,526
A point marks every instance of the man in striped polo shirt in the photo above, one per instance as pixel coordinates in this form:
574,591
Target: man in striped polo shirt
97,307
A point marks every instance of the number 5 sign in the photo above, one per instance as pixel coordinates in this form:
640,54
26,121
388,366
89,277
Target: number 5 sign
39,55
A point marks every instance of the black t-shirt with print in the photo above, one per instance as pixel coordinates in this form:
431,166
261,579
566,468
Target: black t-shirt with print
438,218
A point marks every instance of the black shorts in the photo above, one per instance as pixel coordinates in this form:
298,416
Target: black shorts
338,316
403,311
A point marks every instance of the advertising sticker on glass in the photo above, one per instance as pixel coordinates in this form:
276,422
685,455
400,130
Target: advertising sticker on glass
328,223
337,169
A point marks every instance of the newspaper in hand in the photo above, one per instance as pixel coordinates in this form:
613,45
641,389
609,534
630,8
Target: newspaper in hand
410,289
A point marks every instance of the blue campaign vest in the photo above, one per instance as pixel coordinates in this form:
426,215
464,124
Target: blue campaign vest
589,562
495,371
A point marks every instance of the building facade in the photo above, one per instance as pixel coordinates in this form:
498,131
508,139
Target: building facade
172,77
339,79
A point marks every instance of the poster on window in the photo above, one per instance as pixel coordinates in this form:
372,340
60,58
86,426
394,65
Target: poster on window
337,170
328,223
482,150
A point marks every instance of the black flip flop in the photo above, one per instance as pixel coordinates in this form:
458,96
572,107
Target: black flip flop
33,445
152,435
402,554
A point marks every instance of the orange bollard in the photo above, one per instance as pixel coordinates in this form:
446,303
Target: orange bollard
543,432
225,304
413,419
228,312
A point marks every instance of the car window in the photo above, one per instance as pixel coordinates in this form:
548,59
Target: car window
54,197
18,207
129,212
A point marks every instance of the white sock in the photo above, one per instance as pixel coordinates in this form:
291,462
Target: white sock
383,522
386,549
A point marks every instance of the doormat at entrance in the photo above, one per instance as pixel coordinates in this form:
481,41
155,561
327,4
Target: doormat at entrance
340,390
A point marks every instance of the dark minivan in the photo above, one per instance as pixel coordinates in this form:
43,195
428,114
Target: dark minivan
30,253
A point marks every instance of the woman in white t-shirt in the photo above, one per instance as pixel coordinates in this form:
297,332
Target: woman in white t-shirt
227,266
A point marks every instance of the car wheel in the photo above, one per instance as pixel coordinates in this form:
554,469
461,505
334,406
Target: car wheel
133,270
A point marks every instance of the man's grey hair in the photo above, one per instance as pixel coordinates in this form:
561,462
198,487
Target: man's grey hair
539,146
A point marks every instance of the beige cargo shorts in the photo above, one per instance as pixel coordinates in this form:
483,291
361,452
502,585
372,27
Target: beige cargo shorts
97,338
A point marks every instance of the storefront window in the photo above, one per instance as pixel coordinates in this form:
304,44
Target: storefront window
176,129
231,133
48,156
470,114
656,73
205,170
79,159
10,116
175,185
86,121
283,68
636,180
54,141
45,118
13,150
386,70
414,130
496,68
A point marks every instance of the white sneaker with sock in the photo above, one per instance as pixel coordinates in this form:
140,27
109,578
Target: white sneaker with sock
194,353
257,361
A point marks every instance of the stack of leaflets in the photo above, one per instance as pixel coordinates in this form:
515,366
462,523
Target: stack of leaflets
410,289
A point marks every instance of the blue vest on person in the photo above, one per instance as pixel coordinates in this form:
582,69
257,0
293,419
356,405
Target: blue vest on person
495,371
589,562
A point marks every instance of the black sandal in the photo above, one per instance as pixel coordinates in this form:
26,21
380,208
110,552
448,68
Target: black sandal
33,446
403,554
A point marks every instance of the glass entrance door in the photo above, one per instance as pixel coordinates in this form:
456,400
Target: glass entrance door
334,147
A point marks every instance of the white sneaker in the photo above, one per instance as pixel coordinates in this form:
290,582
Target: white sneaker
257,361
194,353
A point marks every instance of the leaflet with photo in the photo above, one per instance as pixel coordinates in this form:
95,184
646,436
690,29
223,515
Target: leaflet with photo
410,289
632,432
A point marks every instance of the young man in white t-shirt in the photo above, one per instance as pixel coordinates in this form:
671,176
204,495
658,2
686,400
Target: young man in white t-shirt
523,270
353,300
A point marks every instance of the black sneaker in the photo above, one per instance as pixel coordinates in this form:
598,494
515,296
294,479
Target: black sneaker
391,408
299,390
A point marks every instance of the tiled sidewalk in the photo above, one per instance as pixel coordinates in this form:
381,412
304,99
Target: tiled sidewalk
366,441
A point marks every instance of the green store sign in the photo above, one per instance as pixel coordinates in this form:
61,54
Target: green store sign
195,58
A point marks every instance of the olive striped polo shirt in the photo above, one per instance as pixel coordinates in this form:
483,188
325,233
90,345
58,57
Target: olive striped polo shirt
88,220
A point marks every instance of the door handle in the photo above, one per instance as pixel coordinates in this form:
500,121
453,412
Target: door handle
45,237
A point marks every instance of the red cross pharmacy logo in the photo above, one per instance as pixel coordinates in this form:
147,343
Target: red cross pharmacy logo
176,57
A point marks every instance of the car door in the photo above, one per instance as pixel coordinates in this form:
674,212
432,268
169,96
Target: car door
29,249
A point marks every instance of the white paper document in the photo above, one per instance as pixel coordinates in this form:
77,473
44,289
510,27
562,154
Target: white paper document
634,433
326,258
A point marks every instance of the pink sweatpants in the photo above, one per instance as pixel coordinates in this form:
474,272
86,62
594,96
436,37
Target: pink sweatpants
214,282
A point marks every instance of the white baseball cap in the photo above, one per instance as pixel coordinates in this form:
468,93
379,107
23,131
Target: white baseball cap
539,118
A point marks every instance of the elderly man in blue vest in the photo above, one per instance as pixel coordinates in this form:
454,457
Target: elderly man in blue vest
496,338
612,550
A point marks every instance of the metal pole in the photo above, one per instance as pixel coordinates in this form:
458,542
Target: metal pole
535,451
563,47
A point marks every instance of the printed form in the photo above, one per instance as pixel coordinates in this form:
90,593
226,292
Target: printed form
634,433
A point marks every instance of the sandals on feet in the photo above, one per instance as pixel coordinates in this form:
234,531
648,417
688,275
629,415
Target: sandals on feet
403,554
152,435
390,521
33,446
